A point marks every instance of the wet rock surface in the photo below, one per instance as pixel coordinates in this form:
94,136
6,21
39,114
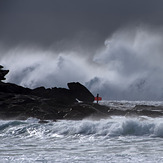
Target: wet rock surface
80,92
17,102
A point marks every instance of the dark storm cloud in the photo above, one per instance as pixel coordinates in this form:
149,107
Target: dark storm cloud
115,47
47,22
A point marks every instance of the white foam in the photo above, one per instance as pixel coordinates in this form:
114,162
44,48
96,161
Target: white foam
116,126
127,67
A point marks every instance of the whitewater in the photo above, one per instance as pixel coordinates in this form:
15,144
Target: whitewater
113,139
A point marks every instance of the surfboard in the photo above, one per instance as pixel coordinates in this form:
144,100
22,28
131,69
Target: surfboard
98,98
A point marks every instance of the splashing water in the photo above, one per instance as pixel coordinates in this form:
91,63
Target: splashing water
117,139
128,67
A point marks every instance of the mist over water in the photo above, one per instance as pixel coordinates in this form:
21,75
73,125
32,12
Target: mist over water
128,66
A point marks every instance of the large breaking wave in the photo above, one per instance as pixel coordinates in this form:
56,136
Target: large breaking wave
106,128
128,67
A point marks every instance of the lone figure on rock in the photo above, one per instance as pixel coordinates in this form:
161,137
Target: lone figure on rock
97,97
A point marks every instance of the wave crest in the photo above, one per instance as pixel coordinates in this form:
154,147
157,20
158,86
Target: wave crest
112,127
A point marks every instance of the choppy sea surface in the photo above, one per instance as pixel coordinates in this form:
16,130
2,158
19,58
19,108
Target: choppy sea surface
116,139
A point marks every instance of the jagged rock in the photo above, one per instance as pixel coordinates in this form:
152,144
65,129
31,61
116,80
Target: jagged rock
17,102
10,87
13,88
80,92
3,73
17,106
66,96
60,95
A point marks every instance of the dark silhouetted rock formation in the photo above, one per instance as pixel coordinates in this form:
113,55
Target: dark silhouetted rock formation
52,103
80,92
13,88
3,73
60,95
17,102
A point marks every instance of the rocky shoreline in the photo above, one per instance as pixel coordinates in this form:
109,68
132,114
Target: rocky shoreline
17,102
74,103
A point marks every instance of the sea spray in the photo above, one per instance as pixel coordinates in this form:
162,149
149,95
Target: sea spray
114,126
112,70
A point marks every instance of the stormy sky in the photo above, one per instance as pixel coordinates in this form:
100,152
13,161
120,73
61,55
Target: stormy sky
114,47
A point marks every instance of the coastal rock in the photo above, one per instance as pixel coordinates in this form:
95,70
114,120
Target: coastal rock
80,92
59,95
3,73
80,111
66,96
13,88
17,106
17,102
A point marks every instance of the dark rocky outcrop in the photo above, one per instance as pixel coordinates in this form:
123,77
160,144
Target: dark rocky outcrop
60,95
3,73
17,102
13,88
51,103
80,92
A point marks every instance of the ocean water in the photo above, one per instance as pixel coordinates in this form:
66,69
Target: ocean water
116,139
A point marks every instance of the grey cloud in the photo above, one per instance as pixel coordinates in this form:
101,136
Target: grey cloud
45,22
52,42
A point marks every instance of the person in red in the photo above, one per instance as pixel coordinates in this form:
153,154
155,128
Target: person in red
97,98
